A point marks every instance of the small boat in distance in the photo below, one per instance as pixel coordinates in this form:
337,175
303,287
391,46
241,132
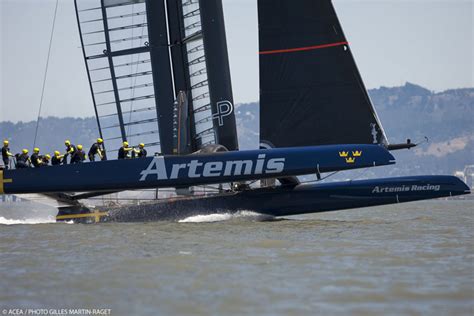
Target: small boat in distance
159,74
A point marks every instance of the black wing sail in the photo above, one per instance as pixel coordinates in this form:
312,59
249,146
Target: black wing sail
122,57
141,53
201,68
311,92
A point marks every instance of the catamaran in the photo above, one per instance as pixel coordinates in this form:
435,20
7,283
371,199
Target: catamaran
159,74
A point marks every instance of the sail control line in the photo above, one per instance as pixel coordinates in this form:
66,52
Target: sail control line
45,72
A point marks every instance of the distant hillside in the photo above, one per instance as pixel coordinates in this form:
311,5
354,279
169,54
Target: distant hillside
410,111
446,118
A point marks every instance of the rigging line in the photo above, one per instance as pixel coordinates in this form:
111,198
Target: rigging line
131,69
135,80
315,180
426,140
45,73
362,172
324,178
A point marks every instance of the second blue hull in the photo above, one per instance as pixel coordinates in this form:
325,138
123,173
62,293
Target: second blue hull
287,201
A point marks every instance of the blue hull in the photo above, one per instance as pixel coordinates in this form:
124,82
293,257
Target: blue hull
192,170
286,201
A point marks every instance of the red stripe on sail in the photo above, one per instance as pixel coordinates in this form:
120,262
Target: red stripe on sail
301,49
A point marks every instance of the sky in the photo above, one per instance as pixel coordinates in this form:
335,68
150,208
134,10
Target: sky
426,42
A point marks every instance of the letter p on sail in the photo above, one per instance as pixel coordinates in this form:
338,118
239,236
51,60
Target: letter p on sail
224,108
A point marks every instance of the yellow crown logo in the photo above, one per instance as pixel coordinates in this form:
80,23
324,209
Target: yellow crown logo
357,153
350,160
343,154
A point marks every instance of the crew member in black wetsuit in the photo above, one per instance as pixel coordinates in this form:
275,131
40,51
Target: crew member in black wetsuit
140,152
57,159
124,151
6,154
46,159
23,160
70,149
36,159
97,149
78,156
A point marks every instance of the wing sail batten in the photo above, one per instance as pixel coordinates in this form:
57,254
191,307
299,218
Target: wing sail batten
141,54
118,50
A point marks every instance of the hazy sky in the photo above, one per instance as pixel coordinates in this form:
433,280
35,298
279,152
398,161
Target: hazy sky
426,42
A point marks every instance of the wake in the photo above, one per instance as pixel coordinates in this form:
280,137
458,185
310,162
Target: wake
219,217
29,221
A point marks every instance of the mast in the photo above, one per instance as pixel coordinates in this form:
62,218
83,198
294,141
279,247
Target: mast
179,59
161,68
218,73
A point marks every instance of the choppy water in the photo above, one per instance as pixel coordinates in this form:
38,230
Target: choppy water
413,259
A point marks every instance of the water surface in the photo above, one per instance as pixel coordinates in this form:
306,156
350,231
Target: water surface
413,259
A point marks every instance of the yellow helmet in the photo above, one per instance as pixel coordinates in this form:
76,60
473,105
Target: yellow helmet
48,156
36,150
25,151
57,153
100,140
141,145
125,144
5,142
67,142
79,147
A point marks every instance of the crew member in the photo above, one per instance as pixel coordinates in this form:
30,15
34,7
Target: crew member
140,152
57,159
97,149
6,154
78,156
124,151
23,160
70,149
36,159
46,159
